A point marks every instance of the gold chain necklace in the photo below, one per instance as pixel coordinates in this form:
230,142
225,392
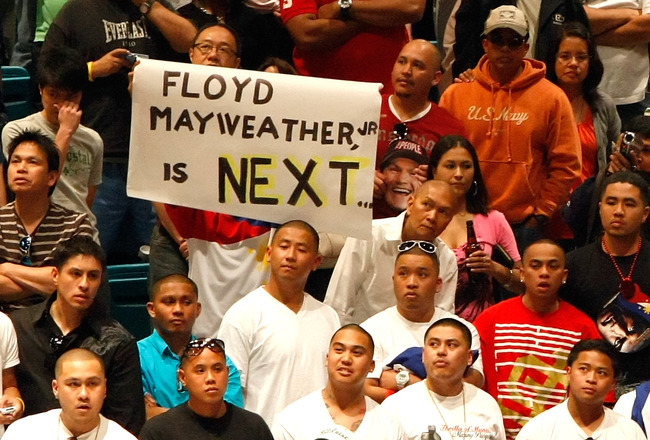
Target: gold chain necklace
430,391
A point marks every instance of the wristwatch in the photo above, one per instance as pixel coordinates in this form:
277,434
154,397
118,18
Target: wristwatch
402,378
146,6
345,6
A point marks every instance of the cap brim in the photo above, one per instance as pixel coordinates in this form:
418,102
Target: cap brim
520,30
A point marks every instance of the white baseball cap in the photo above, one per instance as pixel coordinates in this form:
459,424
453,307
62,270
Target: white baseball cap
506,17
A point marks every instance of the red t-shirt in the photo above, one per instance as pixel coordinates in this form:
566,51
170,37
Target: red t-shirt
424,129
368,56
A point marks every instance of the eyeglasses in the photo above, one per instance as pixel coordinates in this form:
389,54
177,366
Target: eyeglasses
566,57
400,130
425,246
205,48
513,42
25,245
196,346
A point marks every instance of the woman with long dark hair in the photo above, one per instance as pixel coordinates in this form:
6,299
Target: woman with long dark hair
577,69
453,159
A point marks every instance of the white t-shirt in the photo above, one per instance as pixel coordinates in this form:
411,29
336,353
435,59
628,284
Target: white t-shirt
8,348
392,334
624,406
626,67
557,424
48,425
531,10
309,419
280,354
362,281
471,414
83,165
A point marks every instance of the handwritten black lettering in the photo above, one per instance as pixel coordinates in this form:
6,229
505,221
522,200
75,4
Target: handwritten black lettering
303,182
344,167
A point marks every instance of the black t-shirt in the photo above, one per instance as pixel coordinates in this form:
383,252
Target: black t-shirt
181,423
593,287
94,28
41,342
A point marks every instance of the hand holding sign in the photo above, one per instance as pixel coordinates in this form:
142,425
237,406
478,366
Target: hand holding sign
257,145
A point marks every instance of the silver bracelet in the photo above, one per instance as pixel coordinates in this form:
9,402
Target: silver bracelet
512,277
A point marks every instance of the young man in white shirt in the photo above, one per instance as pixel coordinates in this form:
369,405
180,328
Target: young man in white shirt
592,368
279,335
402,327
443,405
80,387
340,409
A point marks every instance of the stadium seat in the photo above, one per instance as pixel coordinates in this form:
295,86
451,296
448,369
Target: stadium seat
129,297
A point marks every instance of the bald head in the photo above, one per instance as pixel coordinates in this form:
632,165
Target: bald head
426,50
439,187
416,70
429,211
77,354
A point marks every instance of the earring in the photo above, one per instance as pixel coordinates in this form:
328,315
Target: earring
475,188
180,386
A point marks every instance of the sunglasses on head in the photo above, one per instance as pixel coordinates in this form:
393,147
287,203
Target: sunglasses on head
196,346
501,40
425,246
25,245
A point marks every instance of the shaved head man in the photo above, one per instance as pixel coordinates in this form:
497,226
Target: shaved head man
409,113
416,70
80,387
361,285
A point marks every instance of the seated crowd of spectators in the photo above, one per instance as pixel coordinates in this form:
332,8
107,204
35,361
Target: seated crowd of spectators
504,292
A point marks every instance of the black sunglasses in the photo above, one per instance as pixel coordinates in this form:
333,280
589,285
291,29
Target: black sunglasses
25,245
513,42
196,346
400,130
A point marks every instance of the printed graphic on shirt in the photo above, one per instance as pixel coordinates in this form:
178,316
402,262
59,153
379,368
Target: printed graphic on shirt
336,433
423,139
444,432
536,357
626,324
125,30
78,162
491,114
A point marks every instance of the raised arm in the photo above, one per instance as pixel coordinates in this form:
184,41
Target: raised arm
69,119
179,31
